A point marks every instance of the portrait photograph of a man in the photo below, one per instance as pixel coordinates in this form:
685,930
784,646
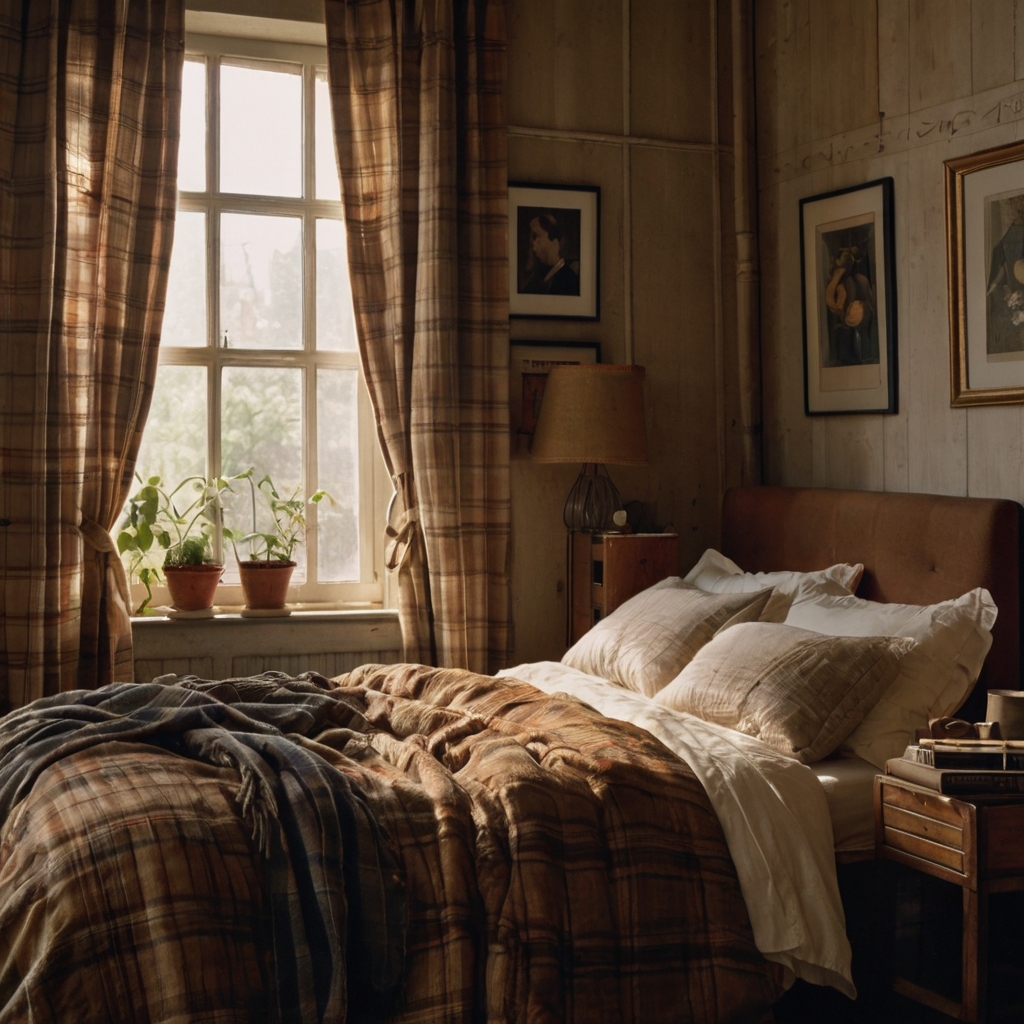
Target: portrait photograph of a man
553,251
549,251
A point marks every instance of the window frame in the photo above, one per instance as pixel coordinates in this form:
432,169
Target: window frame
374,486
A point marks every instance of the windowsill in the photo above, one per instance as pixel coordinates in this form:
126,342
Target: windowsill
362,612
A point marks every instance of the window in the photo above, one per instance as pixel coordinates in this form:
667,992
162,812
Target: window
258,360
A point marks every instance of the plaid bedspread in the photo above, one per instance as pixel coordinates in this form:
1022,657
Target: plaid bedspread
556,866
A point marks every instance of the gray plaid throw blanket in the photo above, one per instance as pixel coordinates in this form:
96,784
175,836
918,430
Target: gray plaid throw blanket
310,823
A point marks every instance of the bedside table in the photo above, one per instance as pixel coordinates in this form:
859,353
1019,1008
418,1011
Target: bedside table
606,569
975,842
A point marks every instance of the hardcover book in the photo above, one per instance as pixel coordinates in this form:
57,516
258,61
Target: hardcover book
956,781
989,755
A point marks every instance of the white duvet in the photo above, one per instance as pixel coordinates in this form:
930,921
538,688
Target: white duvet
774,816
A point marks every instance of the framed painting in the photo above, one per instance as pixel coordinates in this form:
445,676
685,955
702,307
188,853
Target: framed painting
554,251
847,264
530,363
985,265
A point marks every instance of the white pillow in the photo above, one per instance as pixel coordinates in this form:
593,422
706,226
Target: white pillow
650,638
718,574
800,692
935,678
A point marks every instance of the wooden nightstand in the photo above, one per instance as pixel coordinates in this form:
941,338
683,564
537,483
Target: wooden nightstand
977,843
606,569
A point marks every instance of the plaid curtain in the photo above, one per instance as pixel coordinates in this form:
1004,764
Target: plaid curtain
418,92
89,98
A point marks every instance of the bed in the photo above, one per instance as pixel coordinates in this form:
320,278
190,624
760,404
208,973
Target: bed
414,844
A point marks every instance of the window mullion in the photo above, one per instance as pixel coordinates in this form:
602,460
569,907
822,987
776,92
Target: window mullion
310,425
213,292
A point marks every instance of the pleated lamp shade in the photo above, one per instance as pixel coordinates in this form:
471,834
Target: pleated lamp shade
593,414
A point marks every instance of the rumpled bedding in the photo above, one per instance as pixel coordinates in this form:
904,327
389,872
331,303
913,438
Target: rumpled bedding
555,865
773,812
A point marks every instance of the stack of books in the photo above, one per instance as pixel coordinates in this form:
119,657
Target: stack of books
960,767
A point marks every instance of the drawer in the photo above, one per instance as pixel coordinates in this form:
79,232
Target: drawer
924,850
928,805
912,823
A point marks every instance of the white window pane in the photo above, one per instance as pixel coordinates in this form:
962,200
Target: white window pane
338,462
174,440
335,323
327,184
185,312
261,426
260,281
192,150
260,131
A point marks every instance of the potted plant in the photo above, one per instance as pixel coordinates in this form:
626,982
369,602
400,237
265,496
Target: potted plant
267,571
180,523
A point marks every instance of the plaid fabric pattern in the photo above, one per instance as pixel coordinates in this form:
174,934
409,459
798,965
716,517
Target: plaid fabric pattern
558,866
89,97
561,866
417,90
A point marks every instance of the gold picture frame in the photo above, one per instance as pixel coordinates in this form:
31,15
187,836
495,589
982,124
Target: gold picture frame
985,270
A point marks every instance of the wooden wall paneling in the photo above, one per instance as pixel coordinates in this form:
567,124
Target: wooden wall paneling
732,426
723,98
674,336
562,161
940,51
565,64
895,438
893,17
793,123
1018,37
768,76
995,451
843,67
936,433
538,558
796,445
663,33
854,453
992,44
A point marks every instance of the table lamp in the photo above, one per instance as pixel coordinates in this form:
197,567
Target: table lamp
592,414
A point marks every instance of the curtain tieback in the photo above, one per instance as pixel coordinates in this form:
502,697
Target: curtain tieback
400,538
100,540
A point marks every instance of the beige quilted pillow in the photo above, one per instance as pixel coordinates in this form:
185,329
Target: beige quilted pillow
802,693
645,642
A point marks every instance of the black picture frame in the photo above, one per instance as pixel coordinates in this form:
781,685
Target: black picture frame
848,287
554,251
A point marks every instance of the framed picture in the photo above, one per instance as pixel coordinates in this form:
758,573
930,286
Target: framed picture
553,251
847,265
530,363
985,261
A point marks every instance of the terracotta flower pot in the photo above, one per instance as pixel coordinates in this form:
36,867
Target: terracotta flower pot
192,587
265,584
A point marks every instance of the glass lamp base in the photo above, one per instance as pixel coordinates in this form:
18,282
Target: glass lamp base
592,501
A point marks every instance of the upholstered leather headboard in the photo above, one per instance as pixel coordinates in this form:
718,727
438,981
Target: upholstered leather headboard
916,549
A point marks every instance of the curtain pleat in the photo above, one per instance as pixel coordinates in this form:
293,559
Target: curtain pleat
89,105
418,94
